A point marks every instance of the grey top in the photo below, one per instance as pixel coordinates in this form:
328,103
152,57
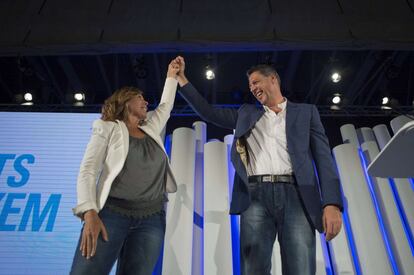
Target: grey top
139,188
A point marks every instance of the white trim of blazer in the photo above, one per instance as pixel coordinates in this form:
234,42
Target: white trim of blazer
107,150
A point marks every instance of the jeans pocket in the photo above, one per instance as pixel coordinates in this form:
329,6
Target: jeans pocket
255,191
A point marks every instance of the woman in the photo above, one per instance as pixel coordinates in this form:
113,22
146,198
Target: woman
123,213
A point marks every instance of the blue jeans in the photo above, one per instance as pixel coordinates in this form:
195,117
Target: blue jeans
276,210
135,243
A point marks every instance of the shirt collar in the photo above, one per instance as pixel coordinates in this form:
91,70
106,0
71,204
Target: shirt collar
280,105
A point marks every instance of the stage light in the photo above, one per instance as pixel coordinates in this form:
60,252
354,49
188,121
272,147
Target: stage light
210,74
336,99
79,96
79,99
336,77
385,100
28,97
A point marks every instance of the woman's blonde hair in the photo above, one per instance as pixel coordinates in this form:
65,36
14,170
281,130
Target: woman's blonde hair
115,106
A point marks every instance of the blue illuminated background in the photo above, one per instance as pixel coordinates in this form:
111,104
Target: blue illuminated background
32,239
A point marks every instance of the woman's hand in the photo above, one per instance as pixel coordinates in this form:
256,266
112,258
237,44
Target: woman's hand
90,233
173,69
182,80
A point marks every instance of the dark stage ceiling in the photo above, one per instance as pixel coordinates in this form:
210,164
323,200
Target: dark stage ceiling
55,48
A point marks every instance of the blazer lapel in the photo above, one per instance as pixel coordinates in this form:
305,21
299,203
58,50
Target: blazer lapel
125,136
292,111
253,117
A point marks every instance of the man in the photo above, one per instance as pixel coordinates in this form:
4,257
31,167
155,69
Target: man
276,148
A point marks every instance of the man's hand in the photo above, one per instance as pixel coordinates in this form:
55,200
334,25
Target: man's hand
182,80
332,221
180,61
91,229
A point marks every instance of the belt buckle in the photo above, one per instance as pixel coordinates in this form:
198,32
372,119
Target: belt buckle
267,178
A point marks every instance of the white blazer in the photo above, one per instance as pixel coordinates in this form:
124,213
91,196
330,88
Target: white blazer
107,150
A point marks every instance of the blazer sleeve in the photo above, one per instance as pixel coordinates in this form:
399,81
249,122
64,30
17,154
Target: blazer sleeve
162,113
91,166
222,117
328,178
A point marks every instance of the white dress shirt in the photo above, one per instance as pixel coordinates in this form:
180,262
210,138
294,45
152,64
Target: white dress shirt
267,144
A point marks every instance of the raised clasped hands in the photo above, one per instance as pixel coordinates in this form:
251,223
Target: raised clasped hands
179,61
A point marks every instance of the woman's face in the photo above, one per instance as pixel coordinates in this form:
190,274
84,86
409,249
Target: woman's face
137,107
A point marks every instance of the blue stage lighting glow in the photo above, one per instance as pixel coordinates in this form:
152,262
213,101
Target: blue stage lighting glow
403,216
349,234
383,230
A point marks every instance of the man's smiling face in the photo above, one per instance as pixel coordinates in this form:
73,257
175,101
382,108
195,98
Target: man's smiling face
264,88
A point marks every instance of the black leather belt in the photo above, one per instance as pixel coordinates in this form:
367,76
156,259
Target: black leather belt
272,179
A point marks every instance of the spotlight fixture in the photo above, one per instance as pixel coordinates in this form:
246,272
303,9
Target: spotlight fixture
79,96
335,108
28,97
336,77
79,99
210,73
336,99
385,100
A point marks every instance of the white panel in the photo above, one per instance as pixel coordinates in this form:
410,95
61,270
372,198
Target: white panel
398,122
276,260
235,219
368,240
320,259
403,186
217,231
393,224
200,129
365,134
382,135
349,135
396,158
228,140
406,194
179,232
341,254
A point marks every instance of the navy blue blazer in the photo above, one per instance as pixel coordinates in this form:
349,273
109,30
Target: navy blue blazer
307,145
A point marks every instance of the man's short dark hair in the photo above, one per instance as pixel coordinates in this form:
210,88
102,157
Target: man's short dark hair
265,70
